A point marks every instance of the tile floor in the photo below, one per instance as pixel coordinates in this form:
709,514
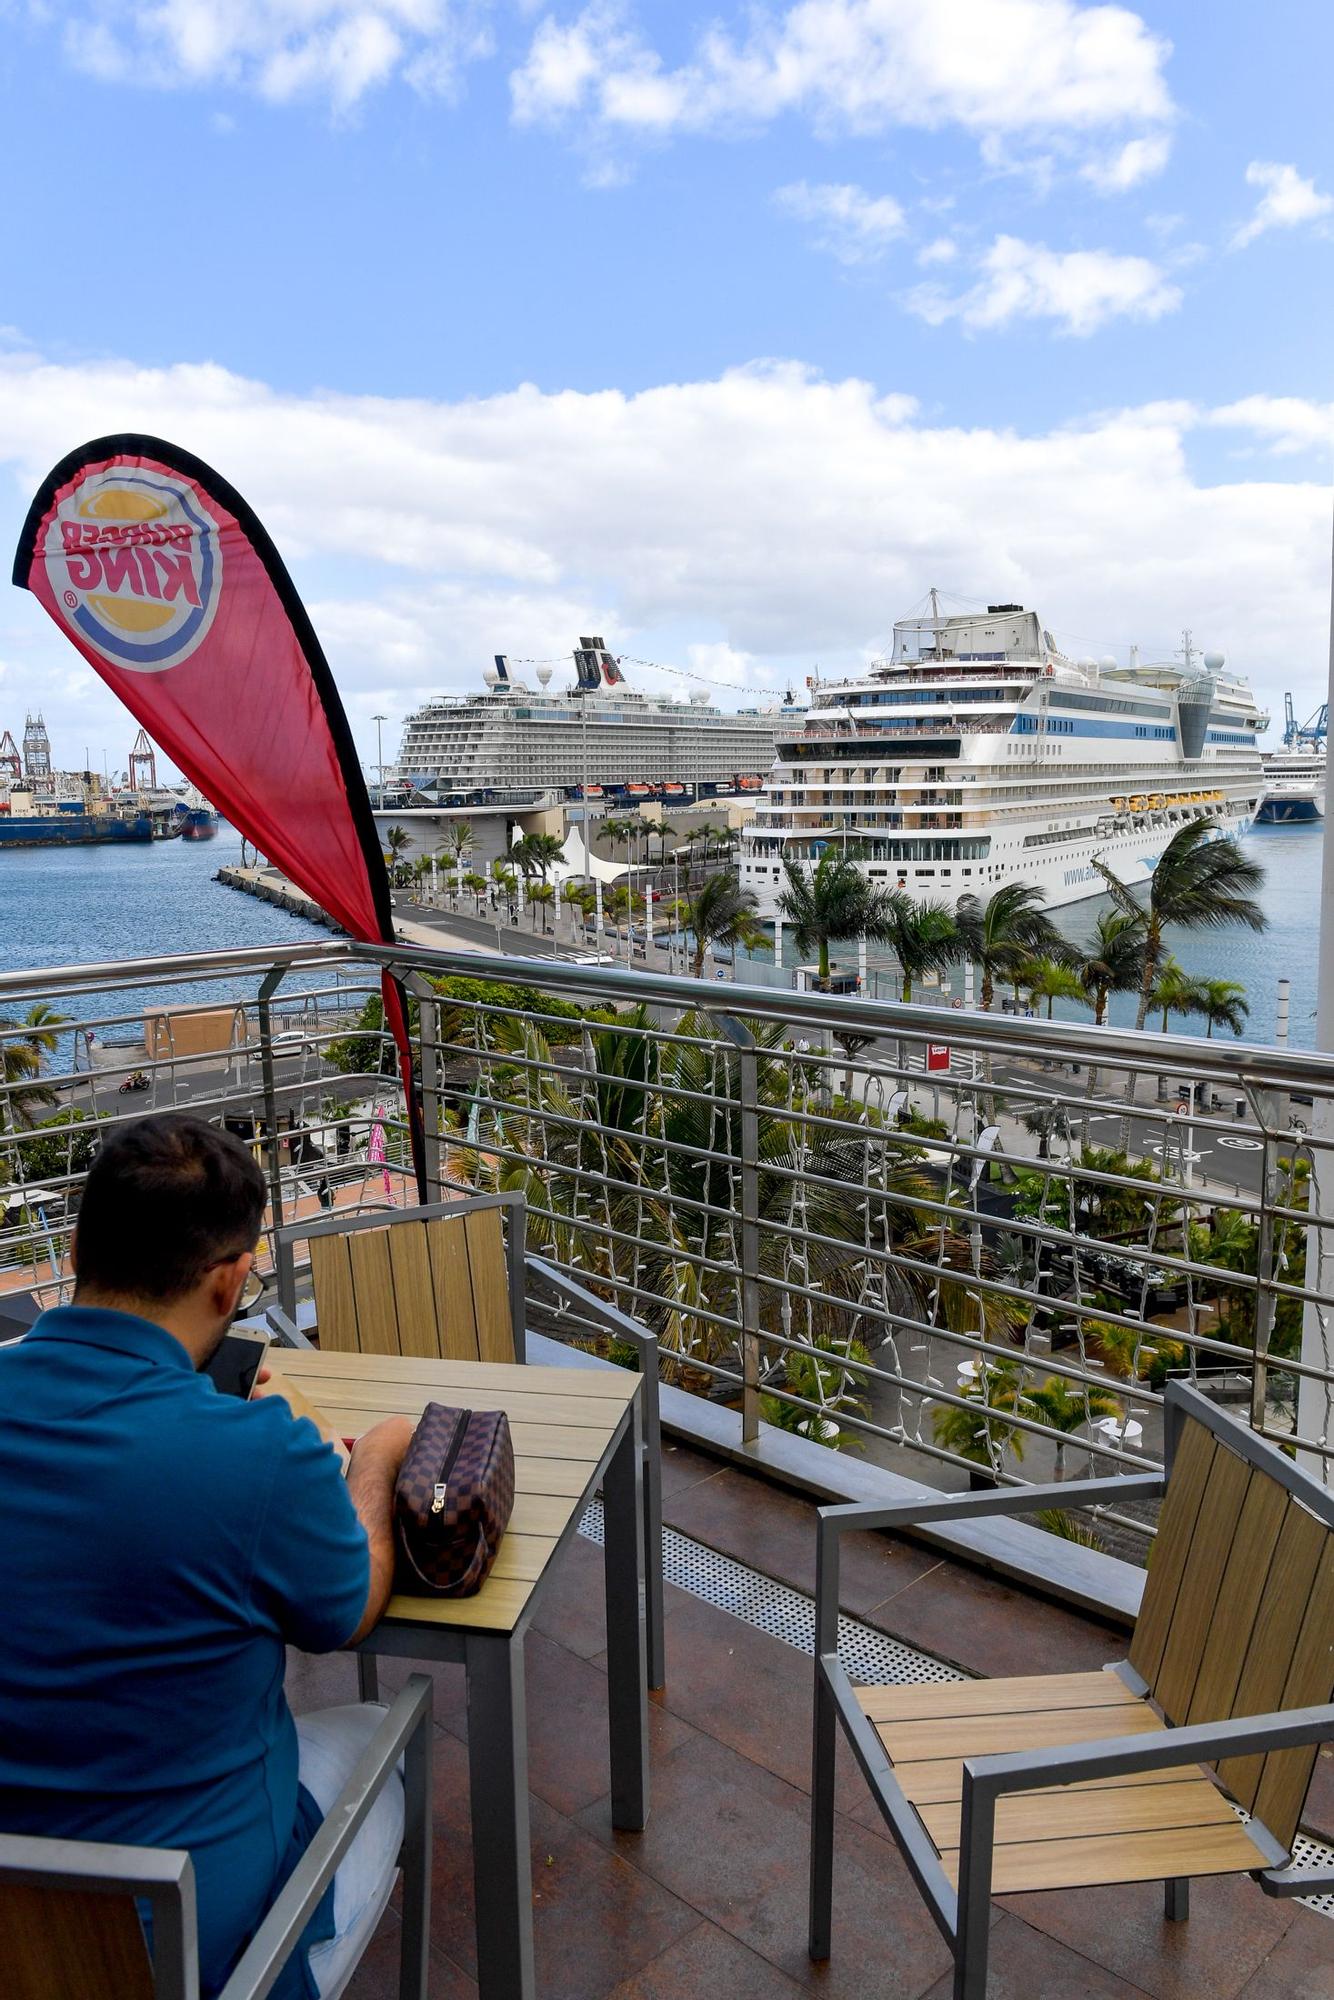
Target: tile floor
711,1899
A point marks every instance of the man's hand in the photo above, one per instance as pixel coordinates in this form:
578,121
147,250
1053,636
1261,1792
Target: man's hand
377,1458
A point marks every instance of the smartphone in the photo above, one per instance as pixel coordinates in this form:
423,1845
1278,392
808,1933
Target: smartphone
237,1361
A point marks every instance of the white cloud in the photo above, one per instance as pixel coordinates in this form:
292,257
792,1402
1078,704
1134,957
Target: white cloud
1080,290
1138,160
1287,424
854,226
994,67
1287,201
768,516
336,50
941,250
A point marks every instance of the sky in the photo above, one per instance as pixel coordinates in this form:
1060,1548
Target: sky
723,331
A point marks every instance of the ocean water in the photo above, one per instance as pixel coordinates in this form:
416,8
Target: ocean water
88,905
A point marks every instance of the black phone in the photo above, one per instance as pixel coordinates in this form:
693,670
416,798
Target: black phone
236,1362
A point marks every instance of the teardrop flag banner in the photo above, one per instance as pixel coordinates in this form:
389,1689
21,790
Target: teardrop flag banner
165,580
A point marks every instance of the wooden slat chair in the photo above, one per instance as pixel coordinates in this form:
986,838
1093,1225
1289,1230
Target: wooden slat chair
449,1281
1133,1773
69,1921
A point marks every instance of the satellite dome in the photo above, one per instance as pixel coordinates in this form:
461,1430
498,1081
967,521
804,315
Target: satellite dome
1109,660
543,676
491,676
699,698
1213,661
1088,661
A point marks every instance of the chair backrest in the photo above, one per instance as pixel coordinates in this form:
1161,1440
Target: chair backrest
1238,1610
429,1282
71,1944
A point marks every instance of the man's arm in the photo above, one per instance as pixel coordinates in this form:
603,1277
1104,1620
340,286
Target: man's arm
377,1458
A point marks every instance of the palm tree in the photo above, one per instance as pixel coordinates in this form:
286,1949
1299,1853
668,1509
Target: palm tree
396,840
834,900
1222,1003
664,834
1201,883
1113,959
925,937
1003,933
458,843
1174,991
476,886
22,1059
1052,979
721,912
542,896
545,851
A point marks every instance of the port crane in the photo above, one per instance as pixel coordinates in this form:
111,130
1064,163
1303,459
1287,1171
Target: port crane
1311,731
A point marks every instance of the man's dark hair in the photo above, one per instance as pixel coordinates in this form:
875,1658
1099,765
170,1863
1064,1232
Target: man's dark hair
165,1199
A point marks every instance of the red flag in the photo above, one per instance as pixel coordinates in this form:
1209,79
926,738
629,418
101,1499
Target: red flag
163,577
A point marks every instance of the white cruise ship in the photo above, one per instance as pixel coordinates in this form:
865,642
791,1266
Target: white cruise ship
1294,785
979,754
600,734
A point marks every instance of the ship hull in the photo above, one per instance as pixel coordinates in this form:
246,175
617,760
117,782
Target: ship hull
1289,812
1064,878
76,830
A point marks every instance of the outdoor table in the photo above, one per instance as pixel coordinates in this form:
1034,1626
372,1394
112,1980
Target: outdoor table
573,1430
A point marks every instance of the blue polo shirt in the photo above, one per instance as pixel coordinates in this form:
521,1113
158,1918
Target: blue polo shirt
160,1545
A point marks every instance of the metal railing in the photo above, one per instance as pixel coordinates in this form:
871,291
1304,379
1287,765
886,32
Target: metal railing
988,1268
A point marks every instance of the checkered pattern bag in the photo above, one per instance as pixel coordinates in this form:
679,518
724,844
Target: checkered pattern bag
453,1500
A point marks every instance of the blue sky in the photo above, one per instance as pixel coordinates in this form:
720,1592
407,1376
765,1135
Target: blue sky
817,304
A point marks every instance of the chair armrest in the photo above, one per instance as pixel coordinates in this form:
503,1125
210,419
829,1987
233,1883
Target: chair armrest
286,1333
928,1508
274,1941
1113,1756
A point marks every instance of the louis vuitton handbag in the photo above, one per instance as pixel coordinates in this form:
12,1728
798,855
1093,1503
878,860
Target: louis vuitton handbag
453,1500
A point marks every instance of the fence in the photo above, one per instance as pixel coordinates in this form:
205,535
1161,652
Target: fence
984,1269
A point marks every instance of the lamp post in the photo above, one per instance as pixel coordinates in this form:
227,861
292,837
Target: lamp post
379,753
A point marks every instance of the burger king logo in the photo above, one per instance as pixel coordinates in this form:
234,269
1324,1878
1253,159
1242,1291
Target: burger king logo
135,561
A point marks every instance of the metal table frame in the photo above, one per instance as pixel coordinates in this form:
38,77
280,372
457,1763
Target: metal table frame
497,1716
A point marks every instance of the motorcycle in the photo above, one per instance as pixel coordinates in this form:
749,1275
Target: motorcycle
138,1081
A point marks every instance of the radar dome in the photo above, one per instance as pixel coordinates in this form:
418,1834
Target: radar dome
1108,660
491,676
699,698
1213,661
1088,661
544,676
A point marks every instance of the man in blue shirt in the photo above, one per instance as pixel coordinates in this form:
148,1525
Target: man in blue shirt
162,1543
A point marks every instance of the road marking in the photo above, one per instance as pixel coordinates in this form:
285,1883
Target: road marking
1244,1145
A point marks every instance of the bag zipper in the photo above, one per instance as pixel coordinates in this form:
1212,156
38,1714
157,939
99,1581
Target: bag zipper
455,1446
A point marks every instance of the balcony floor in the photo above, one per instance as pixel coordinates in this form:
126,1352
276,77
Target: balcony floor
711,1898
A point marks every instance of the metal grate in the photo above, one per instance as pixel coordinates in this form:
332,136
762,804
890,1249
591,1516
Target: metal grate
784,1613
870,1656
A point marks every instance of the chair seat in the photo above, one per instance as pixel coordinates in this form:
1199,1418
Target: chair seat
1142,1827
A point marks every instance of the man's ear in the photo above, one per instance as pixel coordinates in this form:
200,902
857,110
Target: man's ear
226,1281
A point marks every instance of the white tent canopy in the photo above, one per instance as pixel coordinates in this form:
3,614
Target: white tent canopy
571,865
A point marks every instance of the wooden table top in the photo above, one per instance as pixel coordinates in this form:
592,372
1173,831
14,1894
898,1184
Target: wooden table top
561,1421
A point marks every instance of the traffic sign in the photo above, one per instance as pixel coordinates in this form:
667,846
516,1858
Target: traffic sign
937,1055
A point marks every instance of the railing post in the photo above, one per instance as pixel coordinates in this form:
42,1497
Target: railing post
748,1066
428,1067
284,1262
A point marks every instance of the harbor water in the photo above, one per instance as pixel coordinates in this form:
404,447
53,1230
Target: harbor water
82,906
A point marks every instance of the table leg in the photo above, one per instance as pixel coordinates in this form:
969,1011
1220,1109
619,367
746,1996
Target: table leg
498,1777
627,1694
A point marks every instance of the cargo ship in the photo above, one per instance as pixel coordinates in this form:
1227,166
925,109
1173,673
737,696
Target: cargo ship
29,821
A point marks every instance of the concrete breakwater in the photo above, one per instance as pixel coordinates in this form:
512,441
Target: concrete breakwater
271,887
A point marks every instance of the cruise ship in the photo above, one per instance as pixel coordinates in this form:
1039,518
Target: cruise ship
1294,786
978,754
599,734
